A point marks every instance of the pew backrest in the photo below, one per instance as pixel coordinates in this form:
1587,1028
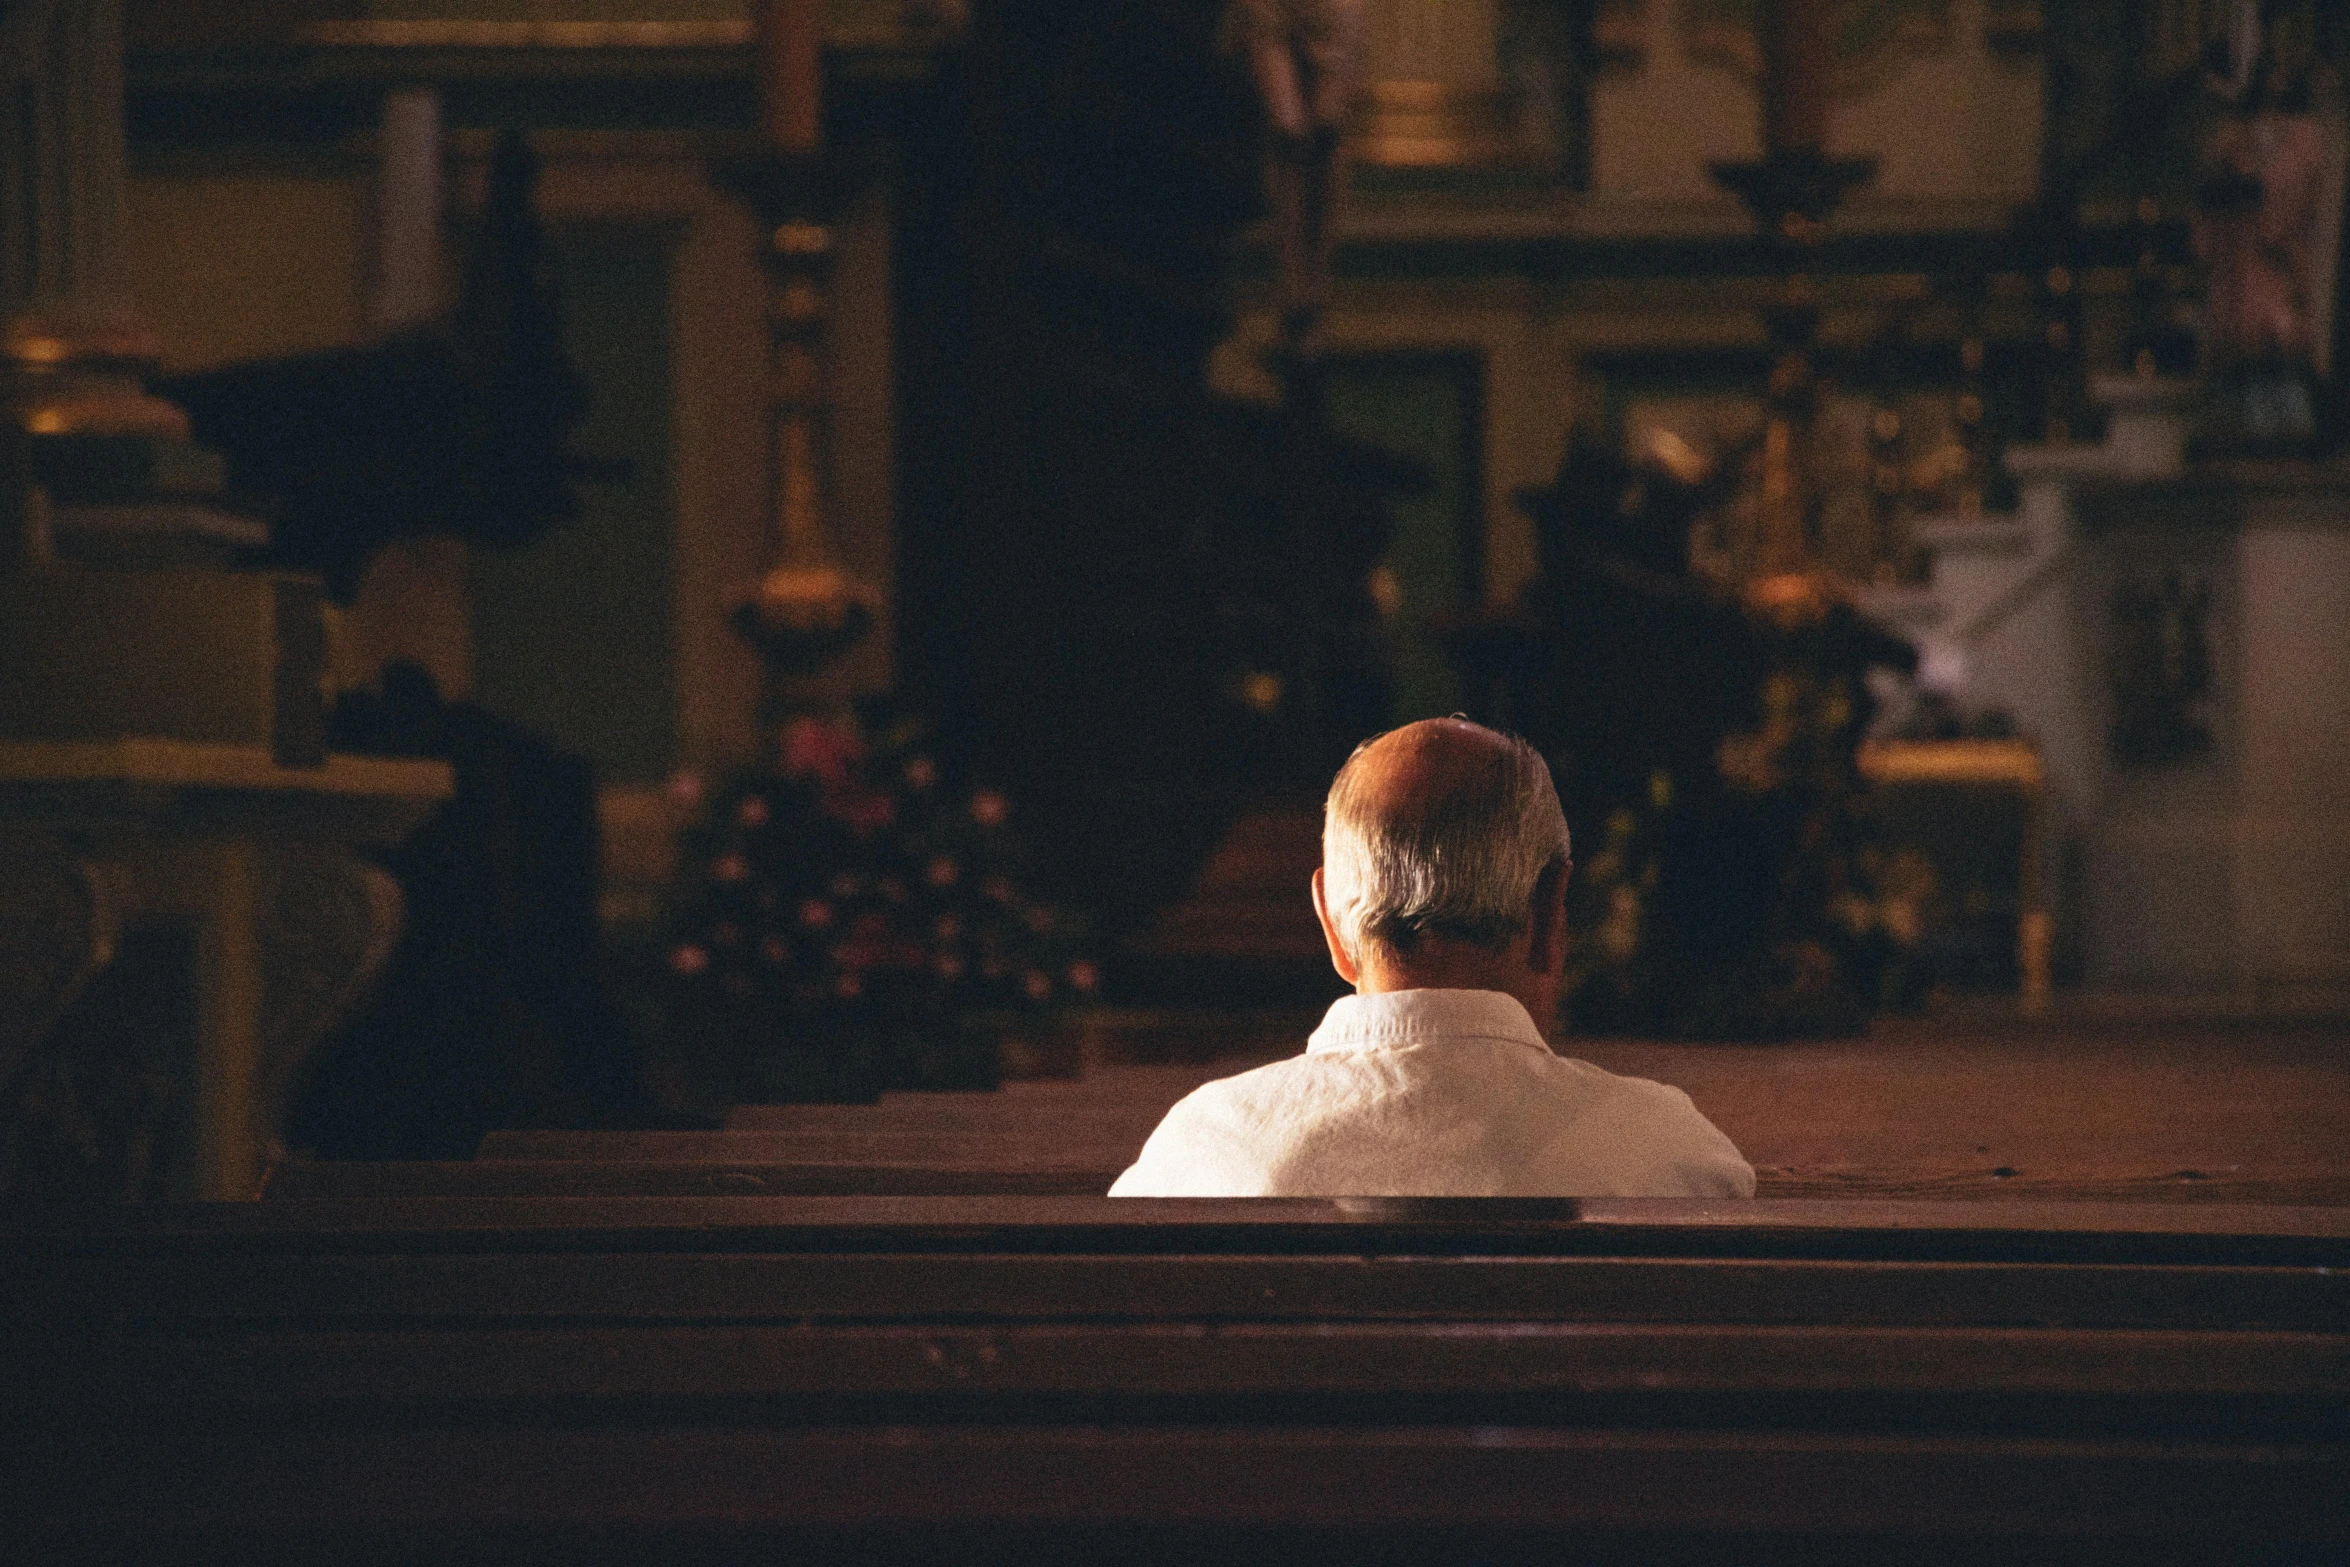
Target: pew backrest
1026,1377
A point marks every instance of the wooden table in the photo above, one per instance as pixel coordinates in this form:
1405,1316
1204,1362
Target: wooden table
182,826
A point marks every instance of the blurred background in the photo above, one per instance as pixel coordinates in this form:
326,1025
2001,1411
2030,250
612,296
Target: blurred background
575,563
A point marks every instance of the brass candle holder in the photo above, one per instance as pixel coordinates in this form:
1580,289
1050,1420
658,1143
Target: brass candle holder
806,610
1792,191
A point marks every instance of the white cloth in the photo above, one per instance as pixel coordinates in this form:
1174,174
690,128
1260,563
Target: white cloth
1434,1093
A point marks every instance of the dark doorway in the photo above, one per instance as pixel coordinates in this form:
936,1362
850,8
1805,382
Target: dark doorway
1427,406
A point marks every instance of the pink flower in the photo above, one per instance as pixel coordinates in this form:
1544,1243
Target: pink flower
942,872
1084,976
989,808
847,885
997,887
868,946
948,927
689,960
685,789
862,812
1036,985
815,749
737,985
1038,920
730,868
947,966
775,949
815,913
753,811
891,889
921,772
849,986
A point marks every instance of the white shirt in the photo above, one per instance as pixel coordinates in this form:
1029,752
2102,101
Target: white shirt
1434,1093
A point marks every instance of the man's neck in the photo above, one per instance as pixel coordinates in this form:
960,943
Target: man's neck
1443,965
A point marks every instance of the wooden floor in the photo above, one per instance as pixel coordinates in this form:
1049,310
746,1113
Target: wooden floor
2159,1102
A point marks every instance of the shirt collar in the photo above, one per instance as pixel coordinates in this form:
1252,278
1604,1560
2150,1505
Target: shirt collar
1408,1017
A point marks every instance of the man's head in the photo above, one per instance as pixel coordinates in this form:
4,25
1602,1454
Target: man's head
1444,864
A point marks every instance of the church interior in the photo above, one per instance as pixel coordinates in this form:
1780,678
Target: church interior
667,668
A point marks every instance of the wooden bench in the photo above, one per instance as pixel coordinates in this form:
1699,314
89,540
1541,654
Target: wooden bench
1108,1145
1026,1378
1070,1147
1111,1091
982,1113
2212,1117
309,1180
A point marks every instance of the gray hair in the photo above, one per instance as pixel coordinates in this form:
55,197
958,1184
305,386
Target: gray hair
1462,864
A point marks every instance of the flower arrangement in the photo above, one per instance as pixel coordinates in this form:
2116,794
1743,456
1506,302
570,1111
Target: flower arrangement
1834,917
843,912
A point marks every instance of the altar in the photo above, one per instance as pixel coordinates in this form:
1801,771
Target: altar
2175,633
288,923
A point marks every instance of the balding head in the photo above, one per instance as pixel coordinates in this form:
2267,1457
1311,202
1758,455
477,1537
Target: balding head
1441,828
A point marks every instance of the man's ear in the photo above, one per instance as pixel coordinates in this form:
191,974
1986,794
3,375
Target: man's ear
1547,952
1339,959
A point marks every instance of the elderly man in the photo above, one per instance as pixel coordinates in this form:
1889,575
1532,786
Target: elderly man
1442,894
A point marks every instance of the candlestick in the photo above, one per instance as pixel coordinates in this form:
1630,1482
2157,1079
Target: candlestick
1791,191
805,610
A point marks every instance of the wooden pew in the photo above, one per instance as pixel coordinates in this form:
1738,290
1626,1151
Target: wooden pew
1108,1144
1002,1172
717,1177
300,1180
1040,1378
1129,1090
1071,1143
1950,1119
1042,1147
982,1113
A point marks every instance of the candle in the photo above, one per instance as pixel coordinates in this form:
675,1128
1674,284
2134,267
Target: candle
791,74
1798,49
